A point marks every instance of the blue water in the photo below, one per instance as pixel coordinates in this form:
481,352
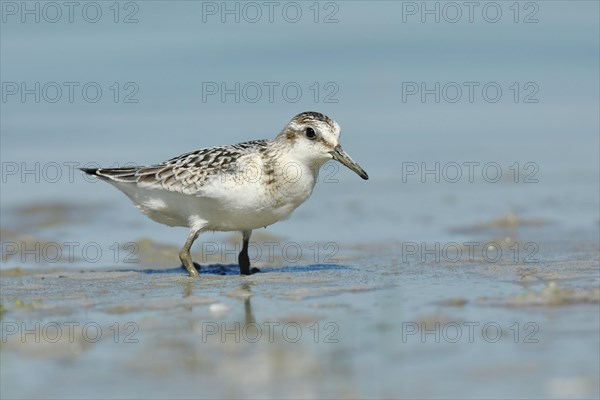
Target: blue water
366,64
369,58
542,131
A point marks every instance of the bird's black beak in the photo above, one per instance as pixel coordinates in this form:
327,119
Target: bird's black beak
340,155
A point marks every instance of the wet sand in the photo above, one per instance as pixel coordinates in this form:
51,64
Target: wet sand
379,322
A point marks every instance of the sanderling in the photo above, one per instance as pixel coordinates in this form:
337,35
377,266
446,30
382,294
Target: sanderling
234,188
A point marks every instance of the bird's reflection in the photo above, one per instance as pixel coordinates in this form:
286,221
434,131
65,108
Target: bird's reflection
248,314
245,294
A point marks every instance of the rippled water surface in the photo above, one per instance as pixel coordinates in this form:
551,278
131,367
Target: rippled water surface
466,266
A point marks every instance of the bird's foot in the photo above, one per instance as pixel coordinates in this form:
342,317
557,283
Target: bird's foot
192,269
249,271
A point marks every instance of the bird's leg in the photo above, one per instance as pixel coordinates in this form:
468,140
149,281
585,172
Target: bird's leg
243,258
184,253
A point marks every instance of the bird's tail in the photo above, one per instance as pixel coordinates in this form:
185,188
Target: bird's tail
90,171
125,174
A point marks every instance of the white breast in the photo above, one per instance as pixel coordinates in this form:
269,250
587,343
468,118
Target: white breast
257,197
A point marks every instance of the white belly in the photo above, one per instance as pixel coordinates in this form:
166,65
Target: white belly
226,204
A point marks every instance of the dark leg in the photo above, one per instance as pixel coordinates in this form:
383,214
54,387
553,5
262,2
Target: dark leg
184,253
243,258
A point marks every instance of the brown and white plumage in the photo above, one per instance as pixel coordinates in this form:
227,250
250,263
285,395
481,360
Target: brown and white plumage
186,173
236,187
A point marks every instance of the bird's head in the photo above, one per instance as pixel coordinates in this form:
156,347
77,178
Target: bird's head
315,139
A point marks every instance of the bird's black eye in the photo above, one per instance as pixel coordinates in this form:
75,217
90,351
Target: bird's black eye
310,133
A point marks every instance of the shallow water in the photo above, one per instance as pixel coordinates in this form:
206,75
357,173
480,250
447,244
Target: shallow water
413,284
368,326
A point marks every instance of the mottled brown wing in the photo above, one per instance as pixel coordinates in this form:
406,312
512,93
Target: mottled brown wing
186,173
